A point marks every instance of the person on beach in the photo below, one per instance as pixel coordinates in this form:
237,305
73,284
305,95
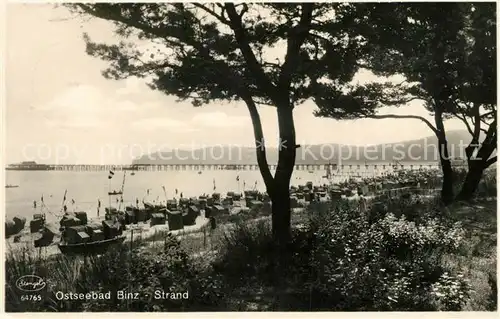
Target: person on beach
65,208
137,202
213,223
34,204
363,207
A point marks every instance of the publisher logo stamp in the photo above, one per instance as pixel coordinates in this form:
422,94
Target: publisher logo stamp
30,283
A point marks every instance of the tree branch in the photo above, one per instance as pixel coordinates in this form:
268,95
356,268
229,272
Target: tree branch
212,13
259,142
490,162
488,114
491,135
241,37
467,125
296,38
477,121
158,32
394,116
400,102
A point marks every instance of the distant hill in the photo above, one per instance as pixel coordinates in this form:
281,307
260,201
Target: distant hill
421,150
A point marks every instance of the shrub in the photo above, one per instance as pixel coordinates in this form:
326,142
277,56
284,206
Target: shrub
142,271
53,271
414,207
339,260
146,272
390,265
490,182
246,251
450,292
493,296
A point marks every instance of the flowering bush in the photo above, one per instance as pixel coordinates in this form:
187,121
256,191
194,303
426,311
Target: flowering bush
450,292
393,264
413,208
432,234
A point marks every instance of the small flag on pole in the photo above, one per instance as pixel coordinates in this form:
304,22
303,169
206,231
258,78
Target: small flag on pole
165,192
111,173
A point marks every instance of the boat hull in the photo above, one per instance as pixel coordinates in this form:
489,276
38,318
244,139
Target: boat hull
96,247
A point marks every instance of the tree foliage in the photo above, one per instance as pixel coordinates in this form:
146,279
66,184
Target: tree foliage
445,51
210,52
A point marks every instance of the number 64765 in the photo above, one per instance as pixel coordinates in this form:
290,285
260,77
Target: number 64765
31,298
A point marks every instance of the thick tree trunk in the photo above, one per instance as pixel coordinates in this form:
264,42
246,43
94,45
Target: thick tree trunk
478,164
471,182
281,212
280,192
278,187
447,194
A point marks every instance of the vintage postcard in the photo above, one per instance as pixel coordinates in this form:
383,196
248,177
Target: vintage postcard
209,157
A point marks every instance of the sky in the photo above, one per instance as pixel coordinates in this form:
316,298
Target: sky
61,110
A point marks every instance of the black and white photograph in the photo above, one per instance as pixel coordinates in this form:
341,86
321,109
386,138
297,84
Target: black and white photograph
250,157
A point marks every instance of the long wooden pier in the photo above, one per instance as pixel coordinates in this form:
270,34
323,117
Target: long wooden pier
246,167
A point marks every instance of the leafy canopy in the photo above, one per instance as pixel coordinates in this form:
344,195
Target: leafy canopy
209,52
445,51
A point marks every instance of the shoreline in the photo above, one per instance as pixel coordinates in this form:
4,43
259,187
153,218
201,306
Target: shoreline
144,231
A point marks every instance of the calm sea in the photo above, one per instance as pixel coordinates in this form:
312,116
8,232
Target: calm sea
86,188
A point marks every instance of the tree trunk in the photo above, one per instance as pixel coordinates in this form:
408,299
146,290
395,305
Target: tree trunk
278,187
471,182
447,187
280,193
447,193
281,213
478,164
